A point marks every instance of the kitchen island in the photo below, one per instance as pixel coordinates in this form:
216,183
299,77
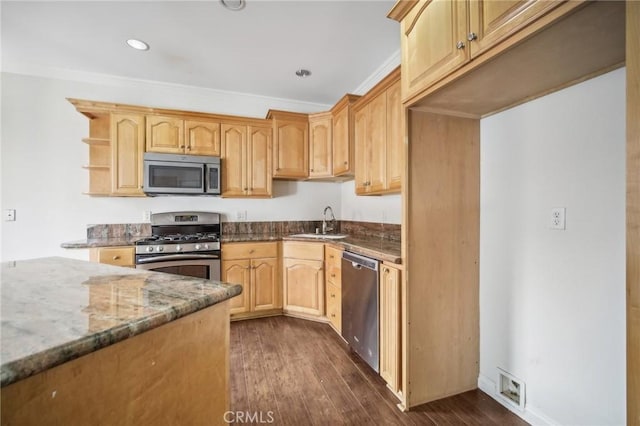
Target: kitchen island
87,343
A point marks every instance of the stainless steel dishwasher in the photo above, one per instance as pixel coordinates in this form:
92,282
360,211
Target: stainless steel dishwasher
360,321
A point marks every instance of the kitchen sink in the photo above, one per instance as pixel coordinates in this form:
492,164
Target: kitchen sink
321,236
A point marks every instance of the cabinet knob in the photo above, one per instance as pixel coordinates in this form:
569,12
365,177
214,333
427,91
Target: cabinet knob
182,146
472,36
245,189
460,45
333,295
188,147
345,163
386,271
116,257
333,275
277,169
311,169
333,315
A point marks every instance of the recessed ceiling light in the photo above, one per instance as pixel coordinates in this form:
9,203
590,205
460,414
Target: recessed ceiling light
233,4
137,44
303,73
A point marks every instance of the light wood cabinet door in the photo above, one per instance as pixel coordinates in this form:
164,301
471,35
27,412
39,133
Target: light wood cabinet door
202,137
303,286
430,37
395,138
238,272
234,160
361,150
320,149
291,149
165,134
259,162
492,21
127,147
264,284
390,333
376,141
341,154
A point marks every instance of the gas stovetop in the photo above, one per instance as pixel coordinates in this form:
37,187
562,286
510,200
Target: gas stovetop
181,232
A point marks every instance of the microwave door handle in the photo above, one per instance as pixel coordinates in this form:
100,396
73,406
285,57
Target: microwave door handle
167,257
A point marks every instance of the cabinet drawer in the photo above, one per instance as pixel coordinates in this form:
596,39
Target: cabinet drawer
232,251
307,251
119,256
332,256
334,306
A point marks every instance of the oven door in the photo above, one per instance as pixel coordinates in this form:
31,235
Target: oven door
205,266
168,177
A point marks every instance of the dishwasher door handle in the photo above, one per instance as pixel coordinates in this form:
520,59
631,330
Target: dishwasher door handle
356,265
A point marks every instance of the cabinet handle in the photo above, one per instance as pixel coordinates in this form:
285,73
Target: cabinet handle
472,36
116,257
460,45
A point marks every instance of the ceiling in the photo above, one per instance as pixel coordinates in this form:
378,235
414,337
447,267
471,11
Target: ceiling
200,43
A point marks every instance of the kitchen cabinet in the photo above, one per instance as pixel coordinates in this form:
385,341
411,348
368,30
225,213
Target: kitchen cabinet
438,36
246,161
176,135
303,279
127,148
320,145
390,331
290,144
118,256
343,144
255,267
333,274
378,138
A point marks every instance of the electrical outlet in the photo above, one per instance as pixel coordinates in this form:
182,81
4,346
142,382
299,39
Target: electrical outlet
9,215
558,218
241,215
146,216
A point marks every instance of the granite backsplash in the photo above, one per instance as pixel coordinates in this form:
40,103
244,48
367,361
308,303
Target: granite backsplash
380,230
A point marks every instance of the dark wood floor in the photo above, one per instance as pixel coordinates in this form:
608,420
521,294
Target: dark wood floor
297,372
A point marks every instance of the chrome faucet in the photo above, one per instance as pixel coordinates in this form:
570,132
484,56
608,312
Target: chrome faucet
326,228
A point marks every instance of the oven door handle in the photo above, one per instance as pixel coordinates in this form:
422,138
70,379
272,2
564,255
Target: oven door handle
168,257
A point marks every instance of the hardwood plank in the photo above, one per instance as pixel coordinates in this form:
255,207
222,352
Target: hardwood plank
238,384
490,409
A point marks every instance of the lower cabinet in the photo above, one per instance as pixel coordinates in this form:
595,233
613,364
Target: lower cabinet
390,326
255,267
333,275
303,278
118,256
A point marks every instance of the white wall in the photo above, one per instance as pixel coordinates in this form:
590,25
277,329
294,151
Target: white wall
552,303
42,155
385,208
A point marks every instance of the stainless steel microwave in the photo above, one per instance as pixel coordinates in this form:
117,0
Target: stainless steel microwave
175,174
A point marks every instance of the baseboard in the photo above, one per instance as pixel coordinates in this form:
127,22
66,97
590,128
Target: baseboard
530,414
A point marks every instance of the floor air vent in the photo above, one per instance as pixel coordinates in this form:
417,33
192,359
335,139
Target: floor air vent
511,389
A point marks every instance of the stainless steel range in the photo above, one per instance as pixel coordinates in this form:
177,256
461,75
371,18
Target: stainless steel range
183,243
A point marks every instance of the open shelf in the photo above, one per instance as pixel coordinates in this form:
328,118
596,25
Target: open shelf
97,141
96,167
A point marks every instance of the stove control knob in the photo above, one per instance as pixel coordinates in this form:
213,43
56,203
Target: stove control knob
149,249
178,248
198,247
160,248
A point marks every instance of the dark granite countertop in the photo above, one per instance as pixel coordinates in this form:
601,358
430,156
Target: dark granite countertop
56,309
376,247
373,246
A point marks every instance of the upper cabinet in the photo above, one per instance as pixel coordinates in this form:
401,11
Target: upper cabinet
343,144
127,148
290,144
378,138
179,136
246,160
320,145
438,36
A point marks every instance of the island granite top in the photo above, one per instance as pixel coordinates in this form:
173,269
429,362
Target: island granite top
57,309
